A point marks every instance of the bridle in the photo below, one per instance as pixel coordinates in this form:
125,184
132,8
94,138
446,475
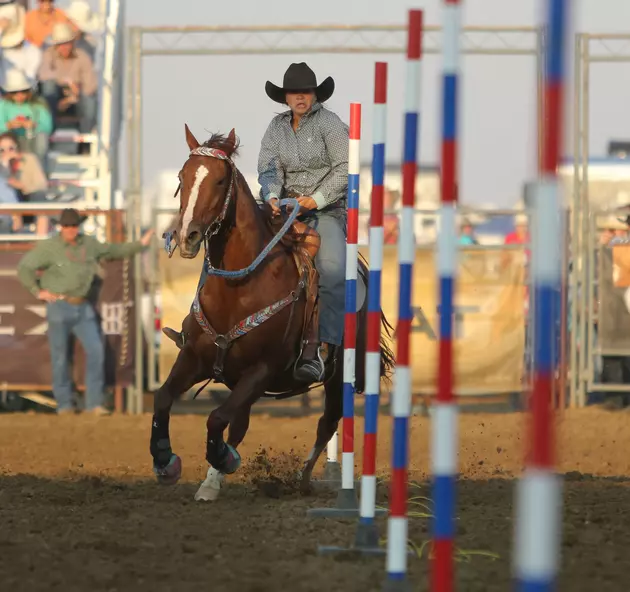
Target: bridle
215,226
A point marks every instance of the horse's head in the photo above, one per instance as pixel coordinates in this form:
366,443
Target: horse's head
206,184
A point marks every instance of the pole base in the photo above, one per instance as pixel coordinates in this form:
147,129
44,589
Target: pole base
331,478
367,537
397,585
346,506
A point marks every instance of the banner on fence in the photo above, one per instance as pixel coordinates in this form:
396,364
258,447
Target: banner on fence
23,329
490,321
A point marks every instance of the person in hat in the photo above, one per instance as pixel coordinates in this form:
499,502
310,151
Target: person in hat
41,20
25,114
304,153
17,53
88,24
68,78
68,263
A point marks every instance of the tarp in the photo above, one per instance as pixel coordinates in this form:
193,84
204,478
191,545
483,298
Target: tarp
490,322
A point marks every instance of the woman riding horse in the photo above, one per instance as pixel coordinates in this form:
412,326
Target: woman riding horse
304,153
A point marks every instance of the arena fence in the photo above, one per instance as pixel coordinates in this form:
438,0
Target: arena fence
26,357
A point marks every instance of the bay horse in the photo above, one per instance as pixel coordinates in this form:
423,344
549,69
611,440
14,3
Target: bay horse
246,331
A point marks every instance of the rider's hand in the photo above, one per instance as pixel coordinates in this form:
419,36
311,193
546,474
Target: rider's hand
273,204
307,203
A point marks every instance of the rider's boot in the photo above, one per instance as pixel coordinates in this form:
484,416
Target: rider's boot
176,336
311,366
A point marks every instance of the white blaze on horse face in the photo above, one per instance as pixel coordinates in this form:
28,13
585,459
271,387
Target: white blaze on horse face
200,175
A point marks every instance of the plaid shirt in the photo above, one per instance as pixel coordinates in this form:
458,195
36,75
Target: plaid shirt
310,161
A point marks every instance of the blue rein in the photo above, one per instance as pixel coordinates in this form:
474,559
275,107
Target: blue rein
240,273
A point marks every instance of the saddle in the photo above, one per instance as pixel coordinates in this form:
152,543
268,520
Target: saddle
304,243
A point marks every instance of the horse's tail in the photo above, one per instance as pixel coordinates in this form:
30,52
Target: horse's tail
388,360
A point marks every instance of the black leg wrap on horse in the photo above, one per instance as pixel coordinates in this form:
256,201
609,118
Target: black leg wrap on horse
161,450
217,453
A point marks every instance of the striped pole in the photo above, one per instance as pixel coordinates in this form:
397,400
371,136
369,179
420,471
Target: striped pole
538,497
347,496
401,399
367,533
444,417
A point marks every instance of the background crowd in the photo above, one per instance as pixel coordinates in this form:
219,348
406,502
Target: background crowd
48,80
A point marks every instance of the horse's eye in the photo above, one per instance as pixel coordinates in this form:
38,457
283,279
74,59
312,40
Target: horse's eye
222,182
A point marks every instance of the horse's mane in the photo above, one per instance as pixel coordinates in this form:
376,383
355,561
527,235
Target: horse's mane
273,224
221,142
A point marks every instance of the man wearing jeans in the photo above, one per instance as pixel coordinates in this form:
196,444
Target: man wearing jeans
69,263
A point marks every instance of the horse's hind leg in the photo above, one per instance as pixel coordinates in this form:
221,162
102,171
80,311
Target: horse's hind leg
327,426
235,411
184,374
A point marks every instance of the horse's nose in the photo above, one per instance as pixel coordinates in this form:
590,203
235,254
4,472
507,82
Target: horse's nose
194,237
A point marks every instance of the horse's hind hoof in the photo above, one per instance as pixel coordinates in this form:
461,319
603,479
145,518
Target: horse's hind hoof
171,473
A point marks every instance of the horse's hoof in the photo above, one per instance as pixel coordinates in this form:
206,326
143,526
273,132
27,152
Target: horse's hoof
171,473
209,490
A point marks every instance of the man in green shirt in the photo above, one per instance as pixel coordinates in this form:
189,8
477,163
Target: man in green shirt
68,263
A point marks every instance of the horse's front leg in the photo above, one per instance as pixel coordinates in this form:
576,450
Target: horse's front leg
167,466
222,456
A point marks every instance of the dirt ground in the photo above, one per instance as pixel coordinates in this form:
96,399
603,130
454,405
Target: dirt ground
79,510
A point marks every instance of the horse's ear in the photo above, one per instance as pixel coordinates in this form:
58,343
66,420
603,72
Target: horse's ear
190,139
231,141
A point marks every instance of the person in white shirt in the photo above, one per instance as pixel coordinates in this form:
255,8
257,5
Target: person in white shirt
18,54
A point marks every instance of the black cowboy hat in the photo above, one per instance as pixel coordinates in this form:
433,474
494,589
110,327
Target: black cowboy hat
300,77
70,217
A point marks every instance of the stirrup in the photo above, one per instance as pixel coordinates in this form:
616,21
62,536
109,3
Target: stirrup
310,370
176,336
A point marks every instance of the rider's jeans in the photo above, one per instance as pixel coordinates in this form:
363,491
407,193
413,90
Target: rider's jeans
331,266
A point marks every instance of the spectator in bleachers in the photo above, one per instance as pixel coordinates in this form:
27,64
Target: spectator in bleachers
87,23
68,78
23,172
41,20
467,234
17,53
25,114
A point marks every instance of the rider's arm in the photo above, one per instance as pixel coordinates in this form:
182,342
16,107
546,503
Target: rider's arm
335,184
270,171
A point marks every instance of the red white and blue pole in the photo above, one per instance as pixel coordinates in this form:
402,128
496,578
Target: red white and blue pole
444,412
367,534
539,493
401,399
347,495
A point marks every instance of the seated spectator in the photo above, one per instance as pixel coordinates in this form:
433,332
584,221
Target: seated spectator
88,25
68,78
467,235
8,196
25,114
390,218
17,54
23,172
41,21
